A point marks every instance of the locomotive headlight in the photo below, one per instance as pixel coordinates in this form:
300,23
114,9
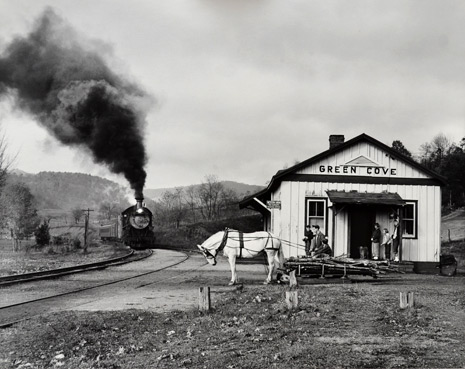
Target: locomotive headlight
139,220
139,211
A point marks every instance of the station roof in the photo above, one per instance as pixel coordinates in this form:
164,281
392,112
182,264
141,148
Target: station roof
365,198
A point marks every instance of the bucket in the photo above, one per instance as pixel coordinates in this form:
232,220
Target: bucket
448,265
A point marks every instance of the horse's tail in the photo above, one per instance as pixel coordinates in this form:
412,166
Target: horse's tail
279,257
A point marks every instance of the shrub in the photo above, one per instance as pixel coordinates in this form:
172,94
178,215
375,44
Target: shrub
76,243
42,234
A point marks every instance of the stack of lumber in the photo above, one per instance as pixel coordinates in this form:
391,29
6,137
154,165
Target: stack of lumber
337,267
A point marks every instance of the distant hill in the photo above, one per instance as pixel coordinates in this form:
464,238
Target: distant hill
67,191
241,189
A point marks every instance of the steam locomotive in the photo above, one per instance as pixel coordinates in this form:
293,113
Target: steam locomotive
133,227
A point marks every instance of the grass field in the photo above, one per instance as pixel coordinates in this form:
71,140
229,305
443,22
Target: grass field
453,226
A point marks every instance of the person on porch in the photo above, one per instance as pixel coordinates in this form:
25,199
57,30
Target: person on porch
318,238
308,236
375,241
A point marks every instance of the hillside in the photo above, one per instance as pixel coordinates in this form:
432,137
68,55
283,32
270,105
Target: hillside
241,189
66,191
453,226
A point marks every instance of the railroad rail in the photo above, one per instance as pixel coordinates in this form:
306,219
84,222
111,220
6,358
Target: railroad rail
54,273
18,312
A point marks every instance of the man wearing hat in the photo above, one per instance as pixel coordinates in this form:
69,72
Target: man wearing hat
318,238
308,239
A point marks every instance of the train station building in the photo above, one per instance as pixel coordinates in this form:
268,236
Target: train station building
346,190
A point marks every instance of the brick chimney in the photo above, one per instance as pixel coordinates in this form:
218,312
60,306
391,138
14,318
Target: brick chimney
335,140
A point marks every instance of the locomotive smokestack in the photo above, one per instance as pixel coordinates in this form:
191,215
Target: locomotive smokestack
67,86
139,201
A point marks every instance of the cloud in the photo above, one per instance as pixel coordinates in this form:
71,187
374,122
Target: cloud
247,86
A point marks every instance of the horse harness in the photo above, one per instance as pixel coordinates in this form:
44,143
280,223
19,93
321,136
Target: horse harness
225,240
241,241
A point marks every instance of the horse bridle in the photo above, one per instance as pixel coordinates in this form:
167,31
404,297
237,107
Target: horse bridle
208,254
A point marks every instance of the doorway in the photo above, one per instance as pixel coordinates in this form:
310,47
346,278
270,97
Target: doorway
361,221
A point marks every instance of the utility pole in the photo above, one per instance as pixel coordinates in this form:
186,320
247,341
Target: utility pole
86,226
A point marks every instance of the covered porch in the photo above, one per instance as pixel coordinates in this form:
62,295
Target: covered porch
354,215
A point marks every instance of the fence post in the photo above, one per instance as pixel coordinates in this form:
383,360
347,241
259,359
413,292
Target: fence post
407,300
204,299
292,298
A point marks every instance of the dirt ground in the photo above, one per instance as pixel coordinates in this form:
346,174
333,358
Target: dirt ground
352,324
336,325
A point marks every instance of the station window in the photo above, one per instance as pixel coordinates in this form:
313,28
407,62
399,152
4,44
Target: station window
409,220
316,212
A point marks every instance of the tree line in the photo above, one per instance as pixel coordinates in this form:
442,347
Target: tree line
209,201
447,159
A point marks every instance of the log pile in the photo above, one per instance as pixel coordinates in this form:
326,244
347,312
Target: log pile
337,267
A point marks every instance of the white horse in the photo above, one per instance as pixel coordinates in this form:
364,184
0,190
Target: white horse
243,245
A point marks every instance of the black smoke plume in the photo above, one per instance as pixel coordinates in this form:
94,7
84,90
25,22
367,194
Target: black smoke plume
71,91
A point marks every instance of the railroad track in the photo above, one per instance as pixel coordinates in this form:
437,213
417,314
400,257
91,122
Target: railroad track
21,311
54,273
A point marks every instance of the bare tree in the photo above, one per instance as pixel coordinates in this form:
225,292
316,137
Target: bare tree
209,196
191,198
109,209
5,161
432,153
171,208
228,202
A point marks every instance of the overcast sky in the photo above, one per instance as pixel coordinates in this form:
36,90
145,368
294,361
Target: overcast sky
243,87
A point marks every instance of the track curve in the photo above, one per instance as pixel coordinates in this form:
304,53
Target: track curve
55,273
14,312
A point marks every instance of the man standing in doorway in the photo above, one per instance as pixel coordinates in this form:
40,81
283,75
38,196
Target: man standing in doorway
375,240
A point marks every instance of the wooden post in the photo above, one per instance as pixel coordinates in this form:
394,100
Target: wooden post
204,299
292,298
292,280
322,272
407,300
411,299
86,226
345,273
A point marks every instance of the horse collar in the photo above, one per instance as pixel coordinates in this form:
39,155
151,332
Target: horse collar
224,240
